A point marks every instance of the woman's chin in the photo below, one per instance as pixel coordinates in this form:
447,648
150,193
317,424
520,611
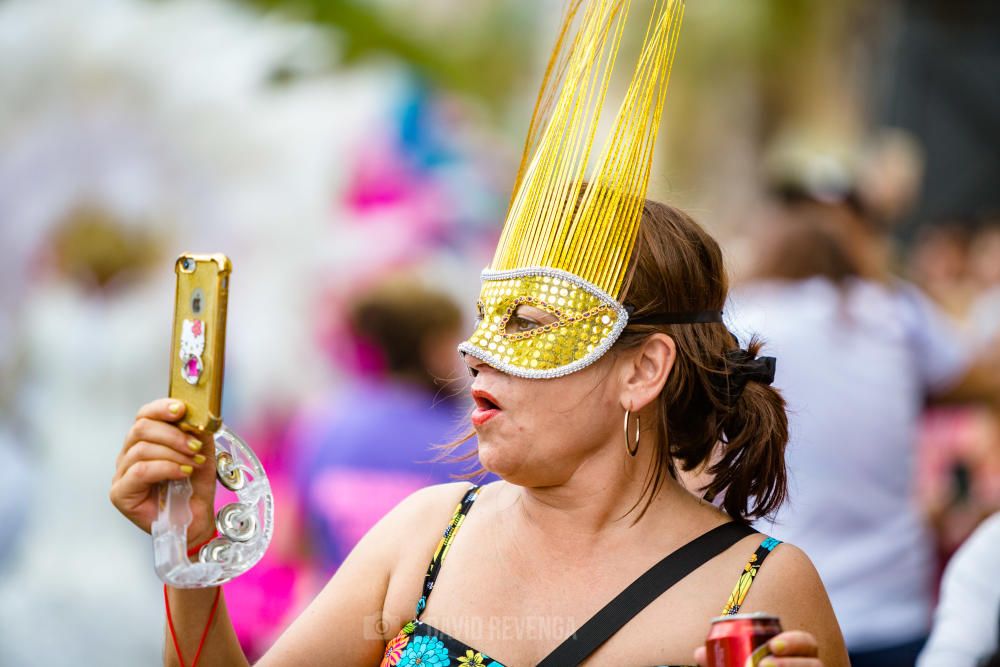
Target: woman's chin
497,460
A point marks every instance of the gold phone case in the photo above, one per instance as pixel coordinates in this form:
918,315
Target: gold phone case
198,345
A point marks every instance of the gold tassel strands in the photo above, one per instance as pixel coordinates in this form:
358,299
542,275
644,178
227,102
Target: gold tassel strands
561,216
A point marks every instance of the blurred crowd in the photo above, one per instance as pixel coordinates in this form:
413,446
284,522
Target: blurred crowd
357,172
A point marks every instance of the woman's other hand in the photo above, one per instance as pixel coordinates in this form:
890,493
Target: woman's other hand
789,649
157,450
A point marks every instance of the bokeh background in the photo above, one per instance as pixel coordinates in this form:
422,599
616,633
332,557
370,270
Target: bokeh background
341,152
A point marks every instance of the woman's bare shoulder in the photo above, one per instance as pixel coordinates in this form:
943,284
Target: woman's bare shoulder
435,499
789,586
428,503
376,588
787,580
422,518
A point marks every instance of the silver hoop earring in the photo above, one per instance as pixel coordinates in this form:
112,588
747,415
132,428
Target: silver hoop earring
631,449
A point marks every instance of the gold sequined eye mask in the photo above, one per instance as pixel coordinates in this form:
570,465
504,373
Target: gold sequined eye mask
588,323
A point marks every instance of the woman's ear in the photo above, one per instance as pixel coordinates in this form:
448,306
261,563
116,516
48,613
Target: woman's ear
645,370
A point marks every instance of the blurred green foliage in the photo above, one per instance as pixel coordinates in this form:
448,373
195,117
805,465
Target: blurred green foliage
482,49
745,69
491,49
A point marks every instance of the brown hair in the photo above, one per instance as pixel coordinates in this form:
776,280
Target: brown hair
398,316
677,267
808,239
704,418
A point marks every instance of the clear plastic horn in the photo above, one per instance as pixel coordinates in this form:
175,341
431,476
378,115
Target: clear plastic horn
245,526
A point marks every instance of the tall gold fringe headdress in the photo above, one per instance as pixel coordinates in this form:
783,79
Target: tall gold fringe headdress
570,229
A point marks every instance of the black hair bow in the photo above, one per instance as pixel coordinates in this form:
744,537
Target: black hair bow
743,367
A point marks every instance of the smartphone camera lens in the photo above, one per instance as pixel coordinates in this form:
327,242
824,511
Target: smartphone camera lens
187,265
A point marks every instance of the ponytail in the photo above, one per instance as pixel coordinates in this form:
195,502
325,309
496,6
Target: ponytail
750,474
717,407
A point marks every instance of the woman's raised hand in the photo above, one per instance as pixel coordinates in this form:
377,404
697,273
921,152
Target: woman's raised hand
789,649
157,450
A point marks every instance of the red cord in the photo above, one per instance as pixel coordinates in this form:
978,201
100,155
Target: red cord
204,634
208,626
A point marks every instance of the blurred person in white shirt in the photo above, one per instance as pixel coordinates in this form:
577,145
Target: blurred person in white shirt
984,265
860,353
966,629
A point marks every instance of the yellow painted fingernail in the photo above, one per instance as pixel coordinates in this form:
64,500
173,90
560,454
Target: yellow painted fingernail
195,445
175,407
187,470
778,646
199,458
768,662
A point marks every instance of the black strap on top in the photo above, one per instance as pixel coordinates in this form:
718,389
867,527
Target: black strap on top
641,592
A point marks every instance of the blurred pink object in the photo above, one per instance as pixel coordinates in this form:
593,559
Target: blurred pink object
403,210
381,178
335,492
261,603
958,471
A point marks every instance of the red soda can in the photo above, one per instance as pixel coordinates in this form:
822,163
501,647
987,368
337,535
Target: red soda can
740,640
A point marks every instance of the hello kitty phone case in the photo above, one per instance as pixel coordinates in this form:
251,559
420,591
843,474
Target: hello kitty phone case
198,349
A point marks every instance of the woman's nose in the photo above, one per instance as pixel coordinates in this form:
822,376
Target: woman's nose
473,364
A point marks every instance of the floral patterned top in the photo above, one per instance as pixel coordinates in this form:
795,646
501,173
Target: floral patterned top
421,645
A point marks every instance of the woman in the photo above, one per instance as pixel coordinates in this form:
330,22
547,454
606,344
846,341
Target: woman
576,517
601,312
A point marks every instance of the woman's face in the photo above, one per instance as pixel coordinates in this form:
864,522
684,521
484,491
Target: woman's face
536,432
